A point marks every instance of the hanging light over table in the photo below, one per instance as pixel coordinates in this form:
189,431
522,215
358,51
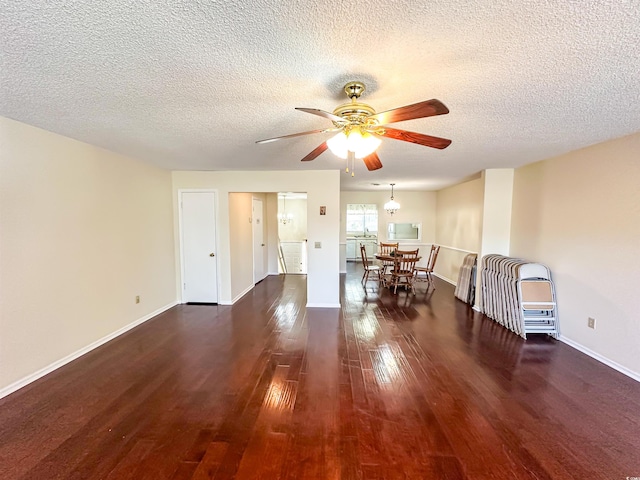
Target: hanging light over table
392,206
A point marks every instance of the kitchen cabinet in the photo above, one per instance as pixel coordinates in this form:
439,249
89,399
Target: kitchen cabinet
371,247
353,247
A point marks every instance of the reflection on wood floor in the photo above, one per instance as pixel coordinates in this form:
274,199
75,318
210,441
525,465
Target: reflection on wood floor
389,386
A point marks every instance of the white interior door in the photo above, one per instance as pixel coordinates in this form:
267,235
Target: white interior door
258,241
199,263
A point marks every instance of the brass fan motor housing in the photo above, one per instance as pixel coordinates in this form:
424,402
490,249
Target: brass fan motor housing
355,113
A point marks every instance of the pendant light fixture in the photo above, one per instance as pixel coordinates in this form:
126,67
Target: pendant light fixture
285,217
392,206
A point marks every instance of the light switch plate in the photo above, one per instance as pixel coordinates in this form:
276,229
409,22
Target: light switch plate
318,245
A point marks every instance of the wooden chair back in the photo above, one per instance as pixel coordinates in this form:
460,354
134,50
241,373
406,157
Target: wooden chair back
363,254
433,256
368,268
405,262
387,248
403,272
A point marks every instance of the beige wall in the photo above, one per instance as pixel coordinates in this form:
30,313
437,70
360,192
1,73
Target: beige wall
458,225
580,215
241,249
83,232
496,212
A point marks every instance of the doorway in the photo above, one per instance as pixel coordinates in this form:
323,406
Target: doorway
292,232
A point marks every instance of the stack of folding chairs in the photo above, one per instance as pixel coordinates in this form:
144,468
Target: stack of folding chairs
466,286
518,295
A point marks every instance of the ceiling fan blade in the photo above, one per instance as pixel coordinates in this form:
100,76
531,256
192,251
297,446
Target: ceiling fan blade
372,161
316,152
267,140
428,108
413,137
322,113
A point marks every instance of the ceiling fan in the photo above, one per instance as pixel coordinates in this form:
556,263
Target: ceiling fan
361,128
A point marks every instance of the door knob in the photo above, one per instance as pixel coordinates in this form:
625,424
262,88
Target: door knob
262,245
212,254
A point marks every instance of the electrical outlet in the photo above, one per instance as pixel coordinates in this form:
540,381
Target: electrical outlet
137,298
591,323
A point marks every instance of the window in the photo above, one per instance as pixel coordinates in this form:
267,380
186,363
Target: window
362,219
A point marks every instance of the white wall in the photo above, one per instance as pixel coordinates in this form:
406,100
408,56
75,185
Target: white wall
83,232
580,215
458,225
323,189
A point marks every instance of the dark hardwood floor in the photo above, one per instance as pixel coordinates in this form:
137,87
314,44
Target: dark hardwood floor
388,387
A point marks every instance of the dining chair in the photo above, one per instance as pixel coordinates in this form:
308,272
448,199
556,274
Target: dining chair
403,272
386,249
368,267
428,269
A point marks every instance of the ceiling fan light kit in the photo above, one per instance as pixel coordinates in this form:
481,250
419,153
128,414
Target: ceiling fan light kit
360,128
361,144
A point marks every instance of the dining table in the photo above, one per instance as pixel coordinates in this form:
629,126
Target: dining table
385,258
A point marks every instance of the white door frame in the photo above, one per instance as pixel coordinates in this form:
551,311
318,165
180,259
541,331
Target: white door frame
215,209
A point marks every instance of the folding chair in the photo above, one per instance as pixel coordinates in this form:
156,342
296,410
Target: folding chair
538,306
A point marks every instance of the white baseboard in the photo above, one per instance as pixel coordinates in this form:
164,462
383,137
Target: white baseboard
9,389
323,305
237,297
442,277
601,359
596,356
242,294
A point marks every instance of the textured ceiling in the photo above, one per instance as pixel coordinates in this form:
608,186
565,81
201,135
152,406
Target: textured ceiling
193,84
